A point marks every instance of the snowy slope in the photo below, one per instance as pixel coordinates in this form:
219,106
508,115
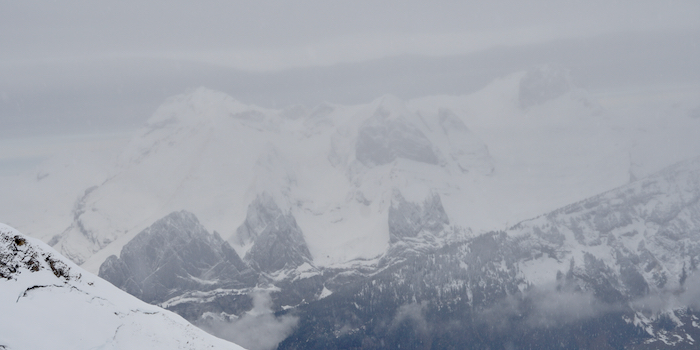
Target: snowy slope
47,302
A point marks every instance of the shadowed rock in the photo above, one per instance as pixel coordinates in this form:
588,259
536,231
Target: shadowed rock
173,256
278,242
408,219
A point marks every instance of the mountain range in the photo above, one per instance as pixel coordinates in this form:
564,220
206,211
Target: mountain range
390,224
524,145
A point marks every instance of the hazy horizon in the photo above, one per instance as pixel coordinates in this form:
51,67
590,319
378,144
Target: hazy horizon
82,67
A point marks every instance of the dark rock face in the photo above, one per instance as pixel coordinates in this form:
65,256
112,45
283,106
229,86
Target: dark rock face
408,220
173,256
542,84
381,140
261,212
176,263
278,242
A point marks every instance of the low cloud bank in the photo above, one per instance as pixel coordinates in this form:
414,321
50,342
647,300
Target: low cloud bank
414,313
688,296
258,329
547,307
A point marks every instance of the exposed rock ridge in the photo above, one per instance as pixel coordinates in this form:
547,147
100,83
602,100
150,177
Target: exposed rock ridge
175,255
18,255
408,220
277,241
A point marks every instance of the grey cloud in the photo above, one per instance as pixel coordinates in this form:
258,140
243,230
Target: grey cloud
259,329
80,66
545,307
668,299
551,309
40,30
99,95
414,313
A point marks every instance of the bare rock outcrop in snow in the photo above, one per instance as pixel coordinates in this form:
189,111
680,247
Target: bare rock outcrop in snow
409,220
277,241
174,256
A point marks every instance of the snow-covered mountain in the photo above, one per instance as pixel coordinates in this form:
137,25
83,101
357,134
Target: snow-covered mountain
333,173
48,302
653,223
334,170
620,264
617,270
492,158
387,223
173,255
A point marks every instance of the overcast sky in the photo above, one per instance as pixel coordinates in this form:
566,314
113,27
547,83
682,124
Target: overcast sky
272,35
76,66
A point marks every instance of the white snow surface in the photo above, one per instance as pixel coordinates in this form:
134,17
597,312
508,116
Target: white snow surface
40,310
497,164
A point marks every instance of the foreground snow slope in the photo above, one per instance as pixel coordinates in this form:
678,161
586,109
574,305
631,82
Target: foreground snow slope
47,302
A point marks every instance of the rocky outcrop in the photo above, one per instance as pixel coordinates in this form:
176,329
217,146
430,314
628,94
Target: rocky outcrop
17,254
173,256
277,241
408,220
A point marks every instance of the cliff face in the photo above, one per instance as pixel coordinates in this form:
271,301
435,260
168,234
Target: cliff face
277,241
174,256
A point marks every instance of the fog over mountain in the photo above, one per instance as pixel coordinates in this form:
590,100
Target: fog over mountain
78,67
318,175
99,95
